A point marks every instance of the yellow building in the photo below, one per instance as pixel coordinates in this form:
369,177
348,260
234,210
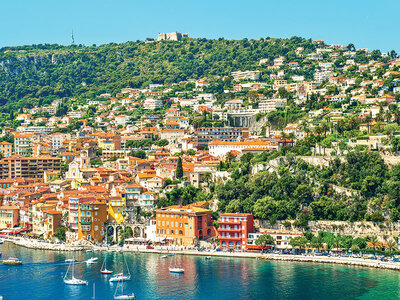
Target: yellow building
116,207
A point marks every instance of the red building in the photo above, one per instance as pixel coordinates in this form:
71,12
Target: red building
233,230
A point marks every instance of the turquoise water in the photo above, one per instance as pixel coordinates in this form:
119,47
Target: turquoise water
41,277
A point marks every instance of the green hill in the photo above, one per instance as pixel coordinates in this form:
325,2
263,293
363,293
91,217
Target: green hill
31,74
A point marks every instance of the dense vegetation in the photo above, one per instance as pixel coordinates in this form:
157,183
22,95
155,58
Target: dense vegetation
361,187
35,74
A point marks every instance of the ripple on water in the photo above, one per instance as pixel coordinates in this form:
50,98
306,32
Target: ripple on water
218,278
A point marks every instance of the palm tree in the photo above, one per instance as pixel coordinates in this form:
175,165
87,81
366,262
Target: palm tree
355,248
374,242
229,157
337,242
391,245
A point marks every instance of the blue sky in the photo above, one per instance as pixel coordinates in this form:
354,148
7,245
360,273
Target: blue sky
369,24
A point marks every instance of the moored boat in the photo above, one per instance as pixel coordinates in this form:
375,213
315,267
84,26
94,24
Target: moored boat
92,260
73,280
123,296
121,277
176,269
104,270
12,261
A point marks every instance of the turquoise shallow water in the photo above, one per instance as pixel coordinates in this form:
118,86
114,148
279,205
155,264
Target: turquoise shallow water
219,278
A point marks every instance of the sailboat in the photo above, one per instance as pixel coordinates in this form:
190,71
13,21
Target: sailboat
73,280
123,296
104,268
176,269
121,276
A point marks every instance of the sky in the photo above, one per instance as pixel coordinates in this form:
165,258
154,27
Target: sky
366,24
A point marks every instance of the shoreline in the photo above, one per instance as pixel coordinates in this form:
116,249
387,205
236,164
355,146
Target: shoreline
350,261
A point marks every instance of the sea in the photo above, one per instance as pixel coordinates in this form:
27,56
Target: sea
42,272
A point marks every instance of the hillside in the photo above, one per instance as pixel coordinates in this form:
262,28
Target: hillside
30,74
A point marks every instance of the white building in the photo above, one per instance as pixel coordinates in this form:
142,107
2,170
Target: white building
268,105
221,148
152,104
252,75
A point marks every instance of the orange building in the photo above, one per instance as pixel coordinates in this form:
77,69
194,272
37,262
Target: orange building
9,216
5,149
185,225
92,215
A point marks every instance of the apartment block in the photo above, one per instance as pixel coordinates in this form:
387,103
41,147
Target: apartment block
208,134
28,167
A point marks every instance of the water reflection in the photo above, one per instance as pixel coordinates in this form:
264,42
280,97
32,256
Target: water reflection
218,278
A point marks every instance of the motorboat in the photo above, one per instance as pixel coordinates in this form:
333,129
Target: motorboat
104,270
69,260
120,277
122,296
176,269
12,261
1,241
164,256
73,280
208,257
92,260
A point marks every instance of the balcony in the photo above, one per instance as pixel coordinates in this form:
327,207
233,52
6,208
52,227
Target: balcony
230,222
229,238
229,230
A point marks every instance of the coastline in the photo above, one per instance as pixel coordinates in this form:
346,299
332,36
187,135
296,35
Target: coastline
350,261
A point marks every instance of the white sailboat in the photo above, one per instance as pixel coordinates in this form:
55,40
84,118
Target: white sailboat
121,277
73,280
122,296
176,269
104,268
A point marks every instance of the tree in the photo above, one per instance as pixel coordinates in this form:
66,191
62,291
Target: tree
316,242
60,233
264,208
179,168
351,47
298,242
265,240
373,240
355,248
391,245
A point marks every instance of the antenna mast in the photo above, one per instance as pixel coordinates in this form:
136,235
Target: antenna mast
72,38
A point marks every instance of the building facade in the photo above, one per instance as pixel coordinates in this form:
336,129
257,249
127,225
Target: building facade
208,134
185,225
233,230
31,167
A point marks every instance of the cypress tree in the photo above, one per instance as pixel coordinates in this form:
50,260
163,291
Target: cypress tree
179,168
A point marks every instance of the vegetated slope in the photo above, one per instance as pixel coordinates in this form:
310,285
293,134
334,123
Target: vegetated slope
29,74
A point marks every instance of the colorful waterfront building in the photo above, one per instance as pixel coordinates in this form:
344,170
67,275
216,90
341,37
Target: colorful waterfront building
92,217
116,207
9,216
233,230
185,225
